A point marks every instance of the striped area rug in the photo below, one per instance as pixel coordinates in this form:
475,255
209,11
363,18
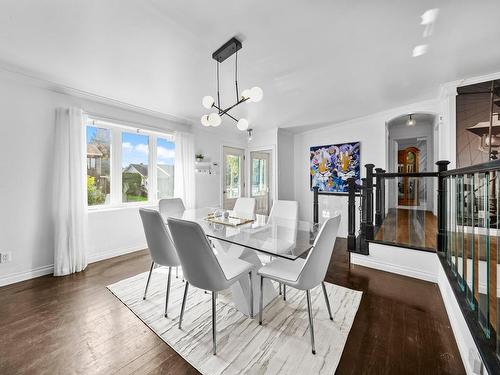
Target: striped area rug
280,346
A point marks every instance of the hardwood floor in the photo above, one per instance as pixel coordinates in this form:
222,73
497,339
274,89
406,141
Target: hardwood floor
75,325
416,228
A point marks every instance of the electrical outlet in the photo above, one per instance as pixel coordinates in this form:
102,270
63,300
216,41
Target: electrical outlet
5,257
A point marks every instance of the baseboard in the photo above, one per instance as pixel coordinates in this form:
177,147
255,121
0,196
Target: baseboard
115,253
49,269
465,342
366,261
26,275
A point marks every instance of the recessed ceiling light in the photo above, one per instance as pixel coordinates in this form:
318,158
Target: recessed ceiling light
429,16
420,50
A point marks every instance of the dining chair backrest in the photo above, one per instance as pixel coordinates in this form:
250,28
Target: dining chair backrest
318,259
245,207
199,264
160,244
171,206
285,209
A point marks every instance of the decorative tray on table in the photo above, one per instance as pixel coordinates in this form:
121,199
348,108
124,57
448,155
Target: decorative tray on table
231,221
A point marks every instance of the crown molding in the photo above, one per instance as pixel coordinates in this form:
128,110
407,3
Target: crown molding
39,80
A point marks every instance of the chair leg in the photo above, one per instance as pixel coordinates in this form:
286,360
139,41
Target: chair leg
284,292
311,326
280,289
168,290
326,300
176,272
149,278
183,304
251,294
214,321
261,302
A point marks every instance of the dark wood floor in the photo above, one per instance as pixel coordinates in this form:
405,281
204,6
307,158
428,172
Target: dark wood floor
415,228
75,325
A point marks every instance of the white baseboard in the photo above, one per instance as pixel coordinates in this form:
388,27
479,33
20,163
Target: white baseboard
26,275
115,253
463,337
407,262
49,269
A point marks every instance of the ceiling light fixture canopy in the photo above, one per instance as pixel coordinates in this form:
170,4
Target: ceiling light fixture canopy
253,95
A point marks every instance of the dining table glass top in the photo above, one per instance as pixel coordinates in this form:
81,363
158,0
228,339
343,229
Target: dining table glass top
271,235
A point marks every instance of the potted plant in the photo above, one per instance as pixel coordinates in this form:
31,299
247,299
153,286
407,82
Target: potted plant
199,157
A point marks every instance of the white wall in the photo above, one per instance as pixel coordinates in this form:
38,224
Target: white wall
369,130
27,132
209,142
286,159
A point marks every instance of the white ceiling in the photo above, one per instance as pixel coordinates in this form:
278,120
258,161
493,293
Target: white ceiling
318,62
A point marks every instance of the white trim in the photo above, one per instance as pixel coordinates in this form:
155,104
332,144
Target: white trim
42,81
463,337
366,261
49,269
115,253
26,275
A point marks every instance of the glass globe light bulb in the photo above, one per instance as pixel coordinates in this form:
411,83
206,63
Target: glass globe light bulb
204,120
256,94
242,124
207,101
214,119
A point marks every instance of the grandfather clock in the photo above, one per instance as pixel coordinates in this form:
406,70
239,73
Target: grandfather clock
408,162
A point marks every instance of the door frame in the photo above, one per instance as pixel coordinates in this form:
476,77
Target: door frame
221,169
272,173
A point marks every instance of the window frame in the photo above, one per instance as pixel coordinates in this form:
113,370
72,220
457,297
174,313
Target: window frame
116,194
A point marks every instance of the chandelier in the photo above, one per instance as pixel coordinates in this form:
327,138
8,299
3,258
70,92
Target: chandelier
253,95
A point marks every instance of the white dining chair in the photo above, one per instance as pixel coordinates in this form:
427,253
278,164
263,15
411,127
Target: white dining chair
305,274
161,247
203,269
245,207
169,207
284,210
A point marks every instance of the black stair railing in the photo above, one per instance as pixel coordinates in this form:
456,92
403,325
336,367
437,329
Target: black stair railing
466,235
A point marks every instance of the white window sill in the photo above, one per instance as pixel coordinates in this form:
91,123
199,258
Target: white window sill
125,206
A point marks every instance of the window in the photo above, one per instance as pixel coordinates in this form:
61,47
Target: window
165,158
127,166
98,166
135,167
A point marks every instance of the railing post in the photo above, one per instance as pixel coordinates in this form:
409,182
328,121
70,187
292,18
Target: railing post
315,205
378,196
369,230
351,214
441,201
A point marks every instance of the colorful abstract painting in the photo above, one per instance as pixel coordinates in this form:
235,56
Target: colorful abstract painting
332,165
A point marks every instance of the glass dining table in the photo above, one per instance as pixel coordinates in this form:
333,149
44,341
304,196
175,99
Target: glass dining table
257,241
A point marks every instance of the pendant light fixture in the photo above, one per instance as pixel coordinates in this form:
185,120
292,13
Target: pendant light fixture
411,121
252,95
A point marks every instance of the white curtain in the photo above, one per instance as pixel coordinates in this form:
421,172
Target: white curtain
70,195
184,168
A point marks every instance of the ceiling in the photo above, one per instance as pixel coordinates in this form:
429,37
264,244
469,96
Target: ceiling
318,62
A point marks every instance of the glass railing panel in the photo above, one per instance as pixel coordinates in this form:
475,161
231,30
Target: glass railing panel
453,224
495,257
449,232
460,230
469,242
483,250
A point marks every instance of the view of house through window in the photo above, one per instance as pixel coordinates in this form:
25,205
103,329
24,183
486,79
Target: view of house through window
135,167
98,166
129,167
165,157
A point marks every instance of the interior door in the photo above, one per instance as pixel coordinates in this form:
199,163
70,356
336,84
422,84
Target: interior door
234,176
259,177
